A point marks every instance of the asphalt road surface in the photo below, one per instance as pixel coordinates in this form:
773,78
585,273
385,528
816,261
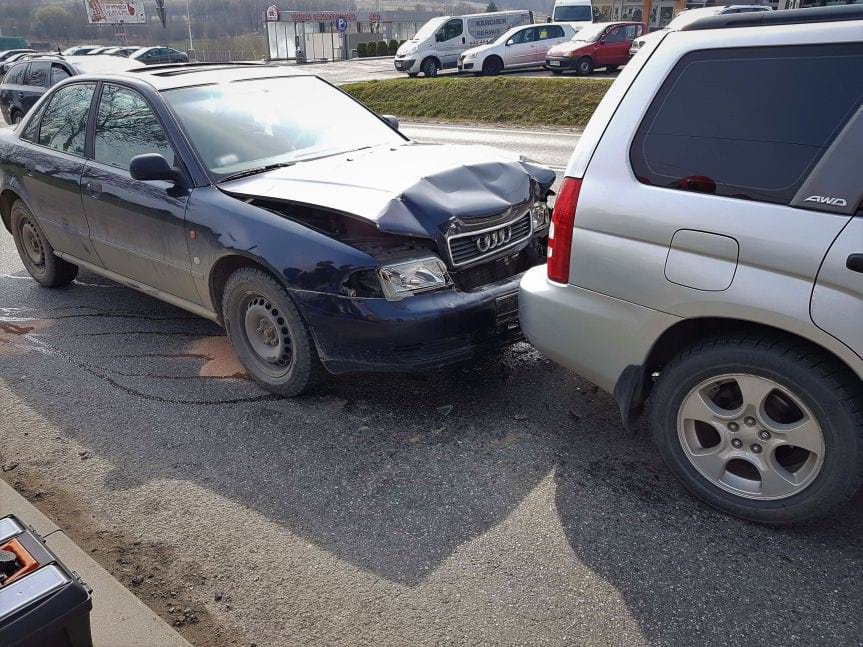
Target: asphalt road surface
497,503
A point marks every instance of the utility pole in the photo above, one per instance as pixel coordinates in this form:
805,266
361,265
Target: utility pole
189,24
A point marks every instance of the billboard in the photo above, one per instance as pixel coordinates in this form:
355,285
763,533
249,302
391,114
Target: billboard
115,12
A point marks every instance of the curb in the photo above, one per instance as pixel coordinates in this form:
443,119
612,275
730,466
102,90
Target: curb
117,614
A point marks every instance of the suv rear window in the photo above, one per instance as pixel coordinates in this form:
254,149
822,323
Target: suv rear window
748,123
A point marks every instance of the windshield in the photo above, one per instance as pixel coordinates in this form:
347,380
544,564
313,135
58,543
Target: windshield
591,33
246,125
576,13
428,29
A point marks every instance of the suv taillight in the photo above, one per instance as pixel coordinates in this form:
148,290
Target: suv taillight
560,233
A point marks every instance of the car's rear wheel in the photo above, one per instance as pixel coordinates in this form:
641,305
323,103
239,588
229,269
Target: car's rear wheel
584,66
767,429
36,252
268,333
492,66
430,67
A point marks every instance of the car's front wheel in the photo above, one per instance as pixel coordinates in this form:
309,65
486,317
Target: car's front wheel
764,428
430,67
584,66
36,252
492,66
268,333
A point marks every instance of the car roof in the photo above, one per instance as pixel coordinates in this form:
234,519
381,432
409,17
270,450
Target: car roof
182,75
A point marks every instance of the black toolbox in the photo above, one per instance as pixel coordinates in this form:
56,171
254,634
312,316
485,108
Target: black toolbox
42,603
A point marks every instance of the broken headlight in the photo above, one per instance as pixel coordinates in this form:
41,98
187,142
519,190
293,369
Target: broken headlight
400,280
539,215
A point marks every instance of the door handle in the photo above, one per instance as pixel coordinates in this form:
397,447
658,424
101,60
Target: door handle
855,263
94,189
462,40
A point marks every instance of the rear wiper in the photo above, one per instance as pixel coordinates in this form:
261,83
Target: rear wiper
256,171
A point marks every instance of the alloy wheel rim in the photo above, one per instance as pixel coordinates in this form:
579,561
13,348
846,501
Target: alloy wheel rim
267,334
751,436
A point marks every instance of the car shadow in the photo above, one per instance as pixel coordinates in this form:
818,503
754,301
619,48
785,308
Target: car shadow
393,473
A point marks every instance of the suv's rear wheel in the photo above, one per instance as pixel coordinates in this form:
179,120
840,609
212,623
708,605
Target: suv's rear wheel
36,252
766,429
584,66
269,334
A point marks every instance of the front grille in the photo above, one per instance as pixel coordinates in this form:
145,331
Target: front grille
474,246
477,276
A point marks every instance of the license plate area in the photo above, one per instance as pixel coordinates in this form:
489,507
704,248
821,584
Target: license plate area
506,312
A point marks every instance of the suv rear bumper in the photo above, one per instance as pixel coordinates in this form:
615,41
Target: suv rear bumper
592,334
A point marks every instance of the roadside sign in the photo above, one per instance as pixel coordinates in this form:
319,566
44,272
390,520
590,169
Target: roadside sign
341,24
116,12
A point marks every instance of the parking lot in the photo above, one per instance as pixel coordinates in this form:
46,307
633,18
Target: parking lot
498,502
378,69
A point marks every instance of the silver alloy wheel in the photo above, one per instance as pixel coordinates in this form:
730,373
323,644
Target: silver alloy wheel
750,436
267,334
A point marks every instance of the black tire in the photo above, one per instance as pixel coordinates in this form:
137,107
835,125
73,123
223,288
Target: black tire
611,68
492,66
36,252
584,66
294,367
430,67
413,75
831,393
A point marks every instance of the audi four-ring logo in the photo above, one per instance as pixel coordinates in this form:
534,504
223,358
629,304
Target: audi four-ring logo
493,239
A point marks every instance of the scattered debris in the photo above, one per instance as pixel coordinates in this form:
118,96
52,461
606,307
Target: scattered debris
519,416
445,410
8,467
84,455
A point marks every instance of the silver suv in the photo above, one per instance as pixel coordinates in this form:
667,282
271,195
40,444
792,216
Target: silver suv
706,258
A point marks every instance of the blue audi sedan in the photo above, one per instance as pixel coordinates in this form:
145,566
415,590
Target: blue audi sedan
322,239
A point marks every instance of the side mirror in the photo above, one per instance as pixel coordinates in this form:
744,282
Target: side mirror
391,121
151,167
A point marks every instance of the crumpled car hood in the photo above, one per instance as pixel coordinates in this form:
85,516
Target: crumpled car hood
410,189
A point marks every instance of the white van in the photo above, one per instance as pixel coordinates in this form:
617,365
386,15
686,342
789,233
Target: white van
578,13
440,41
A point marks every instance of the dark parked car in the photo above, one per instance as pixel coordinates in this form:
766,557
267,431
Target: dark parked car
156,55
597,45
320,237
79,50
6,54
28,80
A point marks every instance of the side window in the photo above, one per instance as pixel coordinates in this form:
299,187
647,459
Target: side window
126,127
64,122
38,74
452,29
748,123
15,76
615,35
555,31
58,73
31,130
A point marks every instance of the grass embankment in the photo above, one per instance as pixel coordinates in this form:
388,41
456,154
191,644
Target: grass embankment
519,101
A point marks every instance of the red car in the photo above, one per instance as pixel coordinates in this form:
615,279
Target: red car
604,44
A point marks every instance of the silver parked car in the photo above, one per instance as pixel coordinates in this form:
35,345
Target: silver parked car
706,258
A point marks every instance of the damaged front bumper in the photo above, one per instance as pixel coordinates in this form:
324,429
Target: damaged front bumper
423,332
